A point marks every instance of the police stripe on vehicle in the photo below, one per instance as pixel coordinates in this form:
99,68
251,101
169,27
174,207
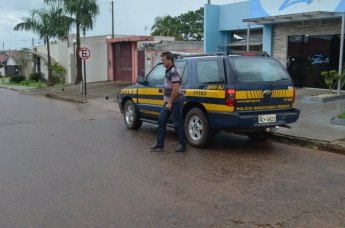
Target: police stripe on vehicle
283,93
249,94
258,94
151,101
217,108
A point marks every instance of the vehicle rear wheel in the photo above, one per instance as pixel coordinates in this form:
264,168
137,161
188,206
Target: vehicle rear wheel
131,116
197,128
259,136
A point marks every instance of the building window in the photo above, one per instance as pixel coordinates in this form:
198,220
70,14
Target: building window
308,55
238,41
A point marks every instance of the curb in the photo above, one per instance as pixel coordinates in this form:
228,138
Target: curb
53,96
323,99
16,89
334,146
338,121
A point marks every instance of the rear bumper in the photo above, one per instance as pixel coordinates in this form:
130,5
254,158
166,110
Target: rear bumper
249,120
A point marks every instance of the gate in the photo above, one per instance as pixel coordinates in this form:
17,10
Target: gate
122,62
141,63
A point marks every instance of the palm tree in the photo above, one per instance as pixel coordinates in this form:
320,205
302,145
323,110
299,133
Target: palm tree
47,24
165,26
84,13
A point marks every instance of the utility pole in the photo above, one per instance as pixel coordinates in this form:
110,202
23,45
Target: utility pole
112,19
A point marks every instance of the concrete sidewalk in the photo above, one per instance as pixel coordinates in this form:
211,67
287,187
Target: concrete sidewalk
313,129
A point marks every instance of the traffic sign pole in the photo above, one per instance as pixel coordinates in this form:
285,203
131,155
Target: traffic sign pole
84,53
85,79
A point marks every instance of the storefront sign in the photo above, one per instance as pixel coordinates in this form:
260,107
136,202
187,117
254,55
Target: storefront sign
264,8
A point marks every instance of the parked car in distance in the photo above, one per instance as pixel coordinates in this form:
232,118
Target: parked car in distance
249,95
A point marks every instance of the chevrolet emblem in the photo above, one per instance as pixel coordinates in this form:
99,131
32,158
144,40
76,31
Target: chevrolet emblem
267,92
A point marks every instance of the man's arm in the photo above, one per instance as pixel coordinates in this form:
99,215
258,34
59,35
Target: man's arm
174,93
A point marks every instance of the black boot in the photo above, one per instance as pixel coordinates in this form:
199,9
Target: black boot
156,147
180,148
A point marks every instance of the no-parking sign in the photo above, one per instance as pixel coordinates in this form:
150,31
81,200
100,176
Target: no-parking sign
84,53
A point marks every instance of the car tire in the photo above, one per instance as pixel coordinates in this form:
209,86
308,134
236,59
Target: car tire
131,116
197,128
259,136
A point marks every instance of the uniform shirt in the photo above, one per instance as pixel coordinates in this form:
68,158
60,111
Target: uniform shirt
172,76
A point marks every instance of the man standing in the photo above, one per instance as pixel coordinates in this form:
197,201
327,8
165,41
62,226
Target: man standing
173,104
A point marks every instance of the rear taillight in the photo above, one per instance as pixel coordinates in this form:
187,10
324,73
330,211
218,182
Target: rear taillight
230,97
294,95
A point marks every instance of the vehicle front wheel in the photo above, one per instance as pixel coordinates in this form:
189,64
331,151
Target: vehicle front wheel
131,116
197,128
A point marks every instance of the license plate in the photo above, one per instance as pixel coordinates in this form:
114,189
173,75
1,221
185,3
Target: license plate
269,118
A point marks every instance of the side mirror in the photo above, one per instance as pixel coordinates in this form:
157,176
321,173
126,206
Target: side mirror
141,79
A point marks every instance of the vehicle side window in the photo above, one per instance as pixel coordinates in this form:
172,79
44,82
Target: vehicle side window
156,76
208,71
183,70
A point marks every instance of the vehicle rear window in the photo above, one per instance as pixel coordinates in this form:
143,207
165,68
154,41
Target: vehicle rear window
259,69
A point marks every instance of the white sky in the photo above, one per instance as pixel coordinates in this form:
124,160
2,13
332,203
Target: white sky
131,17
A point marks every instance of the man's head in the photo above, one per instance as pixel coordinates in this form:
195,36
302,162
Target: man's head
167,59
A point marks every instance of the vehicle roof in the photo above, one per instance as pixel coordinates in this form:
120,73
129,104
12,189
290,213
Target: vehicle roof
219,55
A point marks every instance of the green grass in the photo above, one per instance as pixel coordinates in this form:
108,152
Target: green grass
4,80
341,115
26,83
33,84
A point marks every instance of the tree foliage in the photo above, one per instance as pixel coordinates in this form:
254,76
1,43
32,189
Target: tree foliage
187,26
84,14
166,26
192,25
47,23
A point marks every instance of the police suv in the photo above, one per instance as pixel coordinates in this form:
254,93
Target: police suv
251,95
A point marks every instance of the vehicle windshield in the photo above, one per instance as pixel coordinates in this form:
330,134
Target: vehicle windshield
259,70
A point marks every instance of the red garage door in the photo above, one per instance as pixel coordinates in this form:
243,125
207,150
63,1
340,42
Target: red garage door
141,63
122,62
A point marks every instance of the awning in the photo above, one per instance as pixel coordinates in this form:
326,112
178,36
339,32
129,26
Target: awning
293,17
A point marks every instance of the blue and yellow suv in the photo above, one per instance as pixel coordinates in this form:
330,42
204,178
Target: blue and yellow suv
242,94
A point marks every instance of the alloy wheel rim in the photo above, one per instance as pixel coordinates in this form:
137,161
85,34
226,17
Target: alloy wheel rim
129,115
195,128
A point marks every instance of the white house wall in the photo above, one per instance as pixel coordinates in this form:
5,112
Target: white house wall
96,64
62,52
44,68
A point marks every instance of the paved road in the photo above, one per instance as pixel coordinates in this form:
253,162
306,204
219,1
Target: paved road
75,165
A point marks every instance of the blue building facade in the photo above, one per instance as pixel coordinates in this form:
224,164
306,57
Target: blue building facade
304,35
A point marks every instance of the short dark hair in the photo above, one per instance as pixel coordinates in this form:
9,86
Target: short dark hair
168,55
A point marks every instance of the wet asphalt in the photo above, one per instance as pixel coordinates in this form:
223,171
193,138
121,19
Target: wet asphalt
66,164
